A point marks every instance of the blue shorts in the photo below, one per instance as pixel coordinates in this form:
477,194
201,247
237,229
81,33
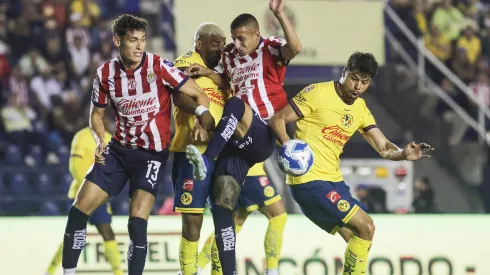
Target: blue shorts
329,205
144,170
101,215
257,192
190,194
239,155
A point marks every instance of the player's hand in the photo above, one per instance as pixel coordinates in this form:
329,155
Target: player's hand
414,151
207,121
199,134
276,6
99,153
197,70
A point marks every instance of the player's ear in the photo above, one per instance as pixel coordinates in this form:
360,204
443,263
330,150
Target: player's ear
116,40
198,44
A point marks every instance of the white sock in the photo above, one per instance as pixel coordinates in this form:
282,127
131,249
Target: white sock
69,271
271,272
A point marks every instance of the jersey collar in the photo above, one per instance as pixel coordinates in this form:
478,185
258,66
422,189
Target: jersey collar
143,60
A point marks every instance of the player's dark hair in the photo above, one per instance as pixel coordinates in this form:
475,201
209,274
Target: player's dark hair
244,19
128,22
362,63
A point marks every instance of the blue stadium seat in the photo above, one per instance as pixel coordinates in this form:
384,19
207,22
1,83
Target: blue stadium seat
64,154
13,155
3,189
37,153
49,208
19,185
44,184
65,182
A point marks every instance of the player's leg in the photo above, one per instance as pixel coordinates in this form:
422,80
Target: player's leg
190,200
356,253
346,234
146,175
236,120
89,198
102,219
259,193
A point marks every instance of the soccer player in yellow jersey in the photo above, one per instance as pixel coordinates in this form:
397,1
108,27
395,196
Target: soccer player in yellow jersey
191,195
81,159
327,115
257,193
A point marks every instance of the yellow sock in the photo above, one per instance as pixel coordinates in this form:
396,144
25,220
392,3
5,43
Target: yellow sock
273,240
56,261
205,254
356,255
188,256
113,256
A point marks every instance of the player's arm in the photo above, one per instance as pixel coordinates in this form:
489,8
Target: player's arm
279,120
220,79
97,107
293,45
388,150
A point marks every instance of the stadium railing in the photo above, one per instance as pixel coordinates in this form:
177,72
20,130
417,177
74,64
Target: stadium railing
419,66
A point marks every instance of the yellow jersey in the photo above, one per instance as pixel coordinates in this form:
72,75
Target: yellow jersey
326,123
184,122
82,157
256,170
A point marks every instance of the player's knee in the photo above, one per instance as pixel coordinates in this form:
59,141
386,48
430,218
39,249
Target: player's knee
226,191
90,197
191,226
366,231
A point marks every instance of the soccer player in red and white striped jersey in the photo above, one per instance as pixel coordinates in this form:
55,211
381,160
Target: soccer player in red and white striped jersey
138,86
254,68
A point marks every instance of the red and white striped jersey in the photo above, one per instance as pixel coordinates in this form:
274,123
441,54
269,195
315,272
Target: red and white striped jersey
257,78
140,99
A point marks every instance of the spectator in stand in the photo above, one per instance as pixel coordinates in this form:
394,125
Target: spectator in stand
77,29
441,47
55,9
18,86
449,20
44,87
80,54
462,67
88,9
470,42
17,120
372,203
424,197
469,8
67,116
420,17
32,63
58,58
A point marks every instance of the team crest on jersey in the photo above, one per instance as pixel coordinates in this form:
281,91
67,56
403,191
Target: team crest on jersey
308,88
346,120
186,198
343,205
269,191
151,76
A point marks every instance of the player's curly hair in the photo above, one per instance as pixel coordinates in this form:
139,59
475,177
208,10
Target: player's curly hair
128,22
364,64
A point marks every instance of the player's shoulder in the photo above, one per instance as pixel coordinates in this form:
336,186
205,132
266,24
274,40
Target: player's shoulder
156,59
229,48
187,59
106,66
316,88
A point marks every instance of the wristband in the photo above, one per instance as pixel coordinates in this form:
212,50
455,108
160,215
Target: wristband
200,110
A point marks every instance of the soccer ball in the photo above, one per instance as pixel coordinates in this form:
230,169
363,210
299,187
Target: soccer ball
295,157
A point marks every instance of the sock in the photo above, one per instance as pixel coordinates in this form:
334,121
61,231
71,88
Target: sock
274,271
205,254
74,238
112,255
188,256
232,114
356,255
216,268
69,271
137,245
56,261
224,233
273,241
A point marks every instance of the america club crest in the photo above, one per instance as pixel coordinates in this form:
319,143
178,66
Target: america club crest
347,120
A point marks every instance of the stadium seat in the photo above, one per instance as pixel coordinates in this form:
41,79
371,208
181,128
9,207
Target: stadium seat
19,185
64,154
3,189
49,208
37,153
44,184
65,182
13,155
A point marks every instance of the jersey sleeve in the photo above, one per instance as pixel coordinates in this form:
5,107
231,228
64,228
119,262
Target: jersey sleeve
99,92
304,102
171,76
275,45
368,121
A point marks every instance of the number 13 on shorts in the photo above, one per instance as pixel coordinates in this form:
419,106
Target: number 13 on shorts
152,172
